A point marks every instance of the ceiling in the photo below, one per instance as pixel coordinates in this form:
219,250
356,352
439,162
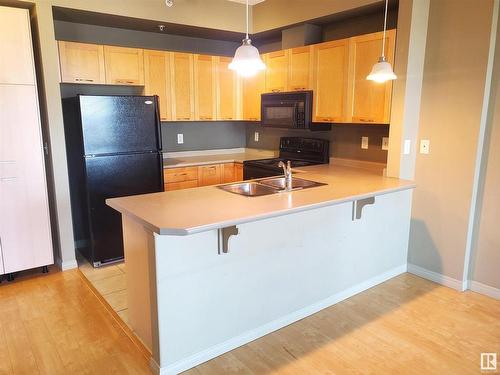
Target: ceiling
250,2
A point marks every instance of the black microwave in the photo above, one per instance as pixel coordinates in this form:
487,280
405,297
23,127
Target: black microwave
291,110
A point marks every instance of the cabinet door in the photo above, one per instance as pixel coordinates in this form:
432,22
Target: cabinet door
253,87
81,63
238,172
300,69
330,69
277,71
157,80
124,66
209,175
204,87
370,101
24,219
227,90
228,172
182,86
181,185
16,59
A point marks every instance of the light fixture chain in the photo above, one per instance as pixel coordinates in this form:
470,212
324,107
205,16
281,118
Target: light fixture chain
247,20
385,27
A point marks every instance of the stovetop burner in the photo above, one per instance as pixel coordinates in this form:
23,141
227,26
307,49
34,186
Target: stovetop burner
274,162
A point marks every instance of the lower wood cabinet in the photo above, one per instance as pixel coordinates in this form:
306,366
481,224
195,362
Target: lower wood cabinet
203,175
209,175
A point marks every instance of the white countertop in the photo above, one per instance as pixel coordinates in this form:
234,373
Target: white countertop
189,211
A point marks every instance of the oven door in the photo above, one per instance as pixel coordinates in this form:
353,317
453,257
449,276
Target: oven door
279,114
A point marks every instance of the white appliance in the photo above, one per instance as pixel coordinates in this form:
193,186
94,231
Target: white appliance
25,237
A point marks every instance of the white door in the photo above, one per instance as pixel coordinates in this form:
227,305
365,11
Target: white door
24,215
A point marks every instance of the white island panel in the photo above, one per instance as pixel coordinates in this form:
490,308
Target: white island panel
277,271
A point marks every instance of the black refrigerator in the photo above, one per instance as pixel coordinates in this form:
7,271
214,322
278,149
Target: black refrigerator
113,146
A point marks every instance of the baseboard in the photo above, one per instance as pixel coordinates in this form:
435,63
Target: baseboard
487,290
437,277
67,265
256,333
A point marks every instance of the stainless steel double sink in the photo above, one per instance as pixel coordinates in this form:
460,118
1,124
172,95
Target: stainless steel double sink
268,186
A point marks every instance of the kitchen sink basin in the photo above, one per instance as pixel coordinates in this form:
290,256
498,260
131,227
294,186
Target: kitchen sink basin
297,183
267,186
249,189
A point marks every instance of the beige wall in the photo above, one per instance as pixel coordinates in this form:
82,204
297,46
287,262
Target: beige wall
452,96
486,254
273,14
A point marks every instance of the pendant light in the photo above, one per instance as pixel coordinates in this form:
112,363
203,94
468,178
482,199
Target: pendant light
382,70
247,61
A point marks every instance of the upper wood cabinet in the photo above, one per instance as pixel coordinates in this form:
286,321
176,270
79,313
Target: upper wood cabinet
300,69
16,61
182,88
330,67
371,101
124,66
277,71
253,87
227,90
157,80
81,63
204,87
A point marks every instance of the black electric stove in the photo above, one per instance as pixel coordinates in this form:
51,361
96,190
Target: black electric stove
300,151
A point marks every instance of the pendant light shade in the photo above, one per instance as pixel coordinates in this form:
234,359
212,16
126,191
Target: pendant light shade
382,70
246,61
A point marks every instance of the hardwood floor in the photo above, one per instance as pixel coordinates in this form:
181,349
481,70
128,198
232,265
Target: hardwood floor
54,324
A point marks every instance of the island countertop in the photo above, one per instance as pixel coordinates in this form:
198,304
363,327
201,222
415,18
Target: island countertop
189,211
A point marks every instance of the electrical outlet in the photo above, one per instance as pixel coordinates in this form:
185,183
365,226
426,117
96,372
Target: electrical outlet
180,139
364,143
256,136
385,143
425,145
407,147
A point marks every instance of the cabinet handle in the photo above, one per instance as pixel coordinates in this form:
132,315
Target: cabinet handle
226,118
123,81
366,120
275,90
7,178
83,80
205,118
183,118
7,161
299,88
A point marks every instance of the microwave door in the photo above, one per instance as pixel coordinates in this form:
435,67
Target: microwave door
279,114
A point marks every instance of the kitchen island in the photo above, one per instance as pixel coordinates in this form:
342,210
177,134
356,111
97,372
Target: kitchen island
208,271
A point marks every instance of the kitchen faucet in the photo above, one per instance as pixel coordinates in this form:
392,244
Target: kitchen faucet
287,170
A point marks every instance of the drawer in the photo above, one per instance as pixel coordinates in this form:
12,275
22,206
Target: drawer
180,174
181,185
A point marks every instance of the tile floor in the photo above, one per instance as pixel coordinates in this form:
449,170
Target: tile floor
110,282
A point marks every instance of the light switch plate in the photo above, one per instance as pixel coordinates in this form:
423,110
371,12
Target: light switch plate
180,139
407,147
385,143
364,143
256,136
425,145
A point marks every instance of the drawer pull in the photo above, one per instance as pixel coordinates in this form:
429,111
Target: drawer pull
83,80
